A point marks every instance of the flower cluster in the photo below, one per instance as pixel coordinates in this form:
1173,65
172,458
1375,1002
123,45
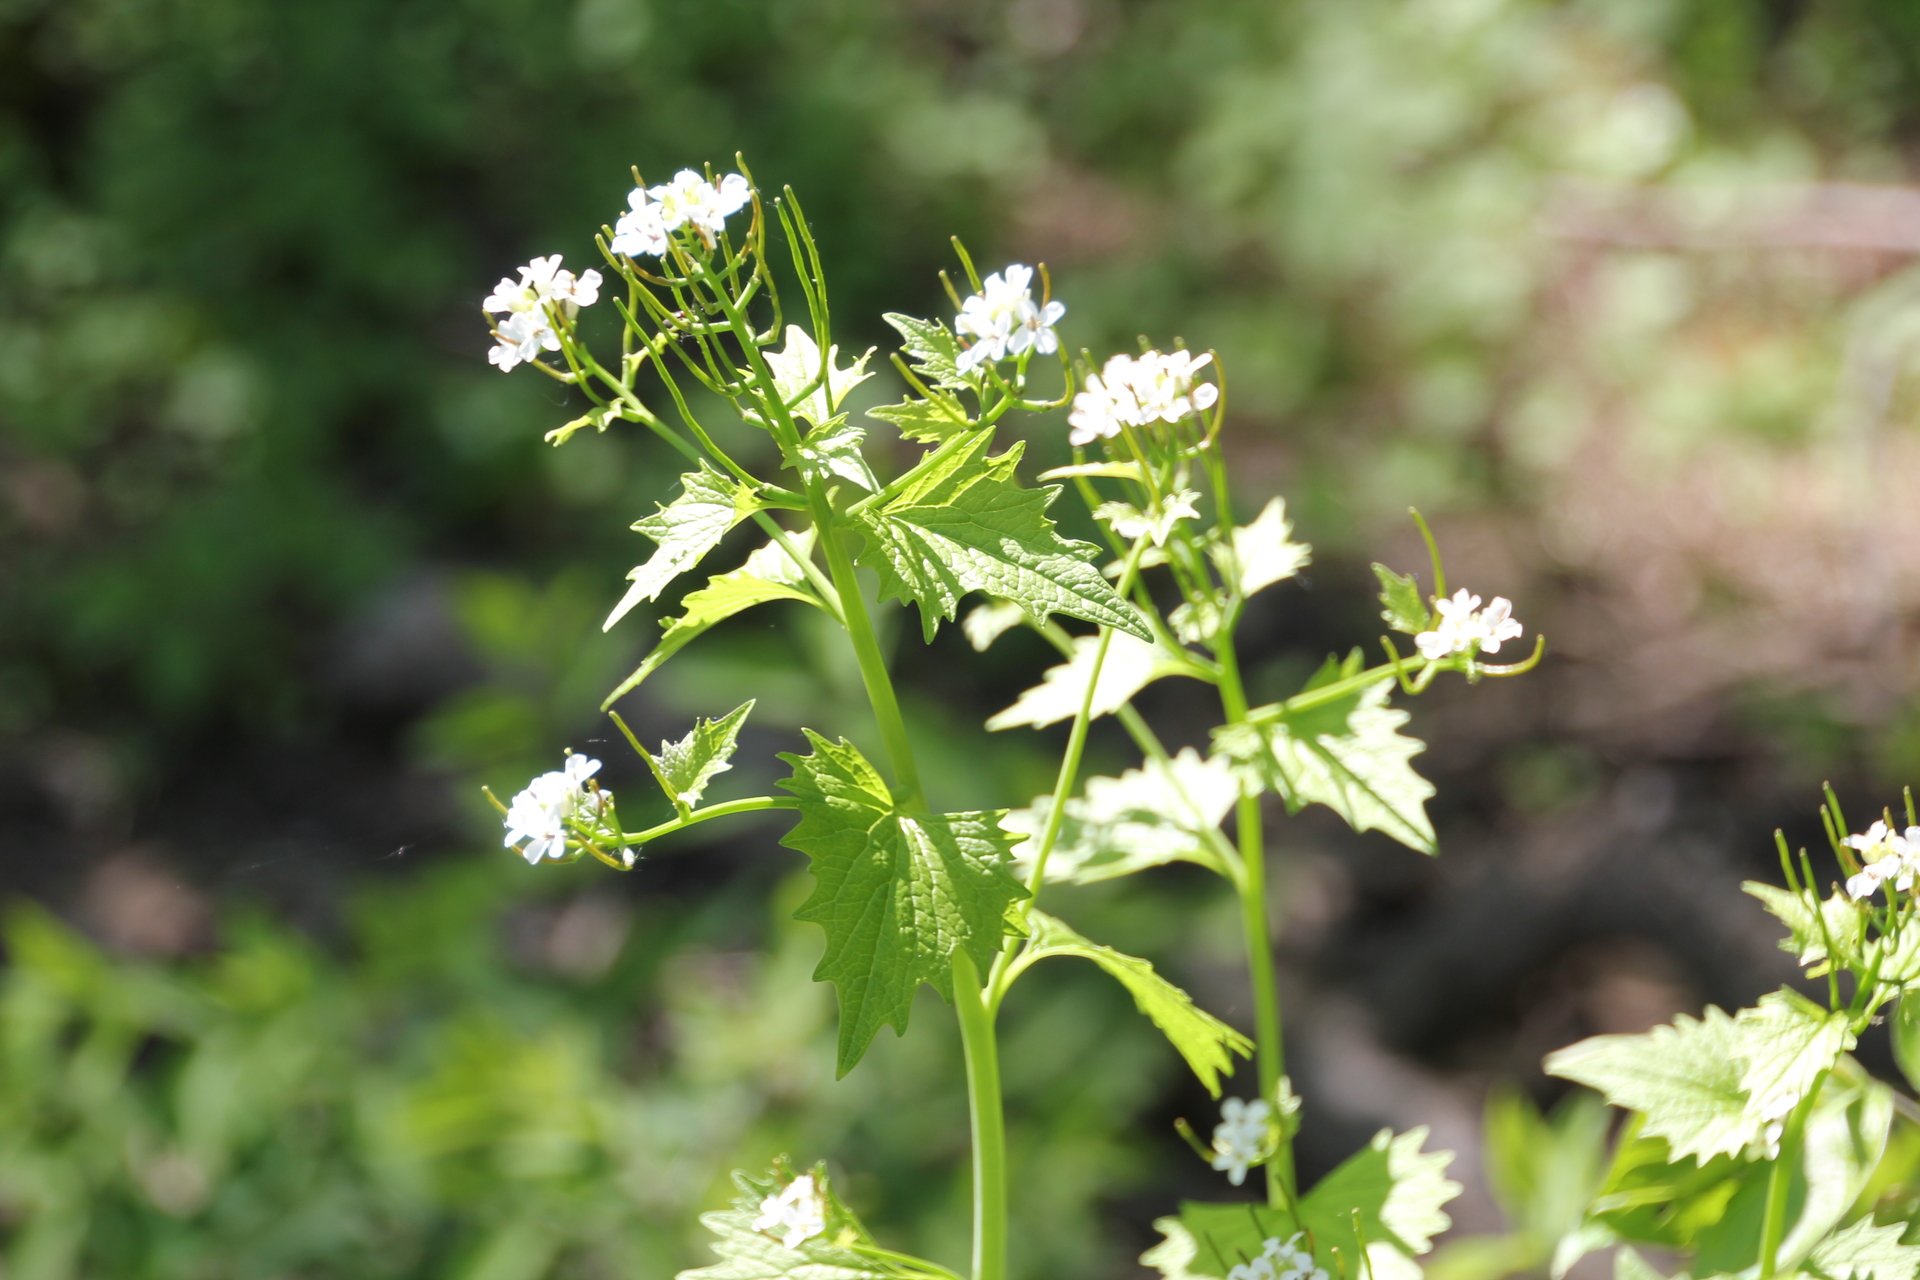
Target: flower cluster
797,1213
1886,858
527,307
551,806
1240,1139
689,200
1465,627
1135,391
1003,319
1280,1260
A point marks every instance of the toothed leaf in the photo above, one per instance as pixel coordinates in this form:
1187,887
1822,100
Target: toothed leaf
1263,551
1207,1044
964,525
684,768
1347,754
686,529
897,892
768,574
1402,607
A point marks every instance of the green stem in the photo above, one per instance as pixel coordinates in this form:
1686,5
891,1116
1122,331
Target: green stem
753,804
873,664
1077,737
1269,1052
1773,1226
989,1121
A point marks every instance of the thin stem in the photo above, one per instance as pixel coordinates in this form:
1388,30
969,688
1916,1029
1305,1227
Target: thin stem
989,1121
1269,1052
1077,737
753,804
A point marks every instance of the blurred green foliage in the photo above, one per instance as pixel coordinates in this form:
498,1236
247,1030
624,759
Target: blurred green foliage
482,1081
240,244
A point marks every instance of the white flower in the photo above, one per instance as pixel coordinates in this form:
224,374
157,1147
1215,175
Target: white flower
1279,1260
522,336
543,280
640,230
527,329
1135,391
578,291
543,813
1240,1139
1165,388
687,200
797,1213
1886,858
1105,405
1290,1260
690,200
1465,627
1036,328
1003,319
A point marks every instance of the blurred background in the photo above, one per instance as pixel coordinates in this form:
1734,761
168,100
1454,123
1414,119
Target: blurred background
1622,294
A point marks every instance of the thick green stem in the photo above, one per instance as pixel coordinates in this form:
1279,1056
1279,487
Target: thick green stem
970,998
1269,1053
989,1122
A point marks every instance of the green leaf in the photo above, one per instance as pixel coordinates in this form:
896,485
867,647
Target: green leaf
810,387
1393,1190
1397,1191
1264,551
684,768
768,574
1208,1240
1207,1043
1402,607
1097,471
986,623
1156,524
1684,1079
1906,1037
1653,1198
1843,1139
1146,817
749,1254
687,528
898,893
1865,1251
925,421
833,452
965,526
1130,665
1786,1044
1629,1265
1900,961
931,350
1544,1170
1348,754
1807,939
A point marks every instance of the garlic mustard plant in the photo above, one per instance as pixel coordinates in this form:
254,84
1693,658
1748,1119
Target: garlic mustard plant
726,356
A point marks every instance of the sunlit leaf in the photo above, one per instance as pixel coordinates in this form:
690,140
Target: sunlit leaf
898,893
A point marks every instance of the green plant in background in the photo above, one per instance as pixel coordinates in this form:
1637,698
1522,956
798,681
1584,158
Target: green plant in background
1753,1137
908,892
